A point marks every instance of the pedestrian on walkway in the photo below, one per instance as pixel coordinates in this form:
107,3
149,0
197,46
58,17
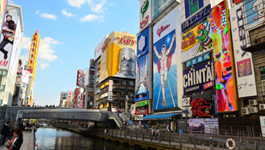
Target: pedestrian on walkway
5,132
17,140
153,133
10,133
157,133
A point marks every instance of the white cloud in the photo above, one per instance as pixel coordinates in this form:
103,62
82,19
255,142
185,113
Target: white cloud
48,16
67,14
89,17
46,50
43,66
98,8
78,3
37,12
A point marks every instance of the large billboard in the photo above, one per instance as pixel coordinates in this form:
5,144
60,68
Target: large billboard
254,12
3,4
196,41
243,60
158,6
223,63
118,56
80,78
98,48
199,77
165,59
194,11
7,40
142,76
145,13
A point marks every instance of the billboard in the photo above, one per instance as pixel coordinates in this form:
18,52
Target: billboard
80,78
196,41
118,56
141,81
195,12
3,5
223,55
158,6
243,60
145,13
98,48
7,40
254,12
199,77
208,125
165,59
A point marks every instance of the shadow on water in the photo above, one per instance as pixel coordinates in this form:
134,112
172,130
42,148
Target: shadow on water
57,139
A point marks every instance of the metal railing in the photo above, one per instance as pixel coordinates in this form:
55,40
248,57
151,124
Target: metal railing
32,140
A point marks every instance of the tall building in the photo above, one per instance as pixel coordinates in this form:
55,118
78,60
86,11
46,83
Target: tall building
89,86
9,57
117,72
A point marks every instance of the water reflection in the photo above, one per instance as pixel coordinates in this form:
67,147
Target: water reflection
57,139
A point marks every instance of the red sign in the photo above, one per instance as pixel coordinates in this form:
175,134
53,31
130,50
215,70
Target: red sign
162,29
141,111
208,85
238,1
80,78
127,40
144,22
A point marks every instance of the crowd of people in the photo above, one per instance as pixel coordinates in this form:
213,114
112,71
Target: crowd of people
13,136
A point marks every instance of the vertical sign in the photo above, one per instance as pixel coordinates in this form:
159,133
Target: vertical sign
223,55
243,60
145,13
110,90
142,76
165,84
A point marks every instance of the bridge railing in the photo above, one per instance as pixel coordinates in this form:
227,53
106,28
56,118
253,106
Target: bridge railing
184,139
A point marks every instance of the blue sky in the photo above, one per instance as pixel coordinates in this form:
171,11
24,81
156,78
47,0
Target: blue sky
70,30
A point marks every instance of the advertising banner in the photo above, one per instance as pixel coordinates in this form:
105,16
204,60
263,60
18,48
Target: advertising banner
25,76
118,56
141,111
158,6
223,55
80,78
3,4
196,41
207,125
98,48
165,84
199,59
7,40
141,81
199,77
195,12
262,125
254,12
238,1
145,13
110,90
141,104
243,60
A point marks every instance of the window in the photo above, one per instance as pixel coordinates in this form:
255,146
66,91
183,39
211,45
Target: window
262,73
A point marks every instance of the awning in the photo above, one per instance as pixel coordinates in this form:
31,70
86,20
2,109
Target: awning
160,116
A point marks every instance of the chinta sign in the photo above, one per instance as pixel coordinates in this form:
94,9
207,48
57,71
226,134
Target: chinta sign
199,77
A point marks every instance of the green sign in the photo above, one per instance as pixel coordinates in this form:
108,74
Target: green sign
144,7
140,104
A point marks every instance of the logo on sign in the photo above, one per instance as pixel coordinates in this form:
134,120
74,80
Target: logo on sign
191,6
162,29
144,7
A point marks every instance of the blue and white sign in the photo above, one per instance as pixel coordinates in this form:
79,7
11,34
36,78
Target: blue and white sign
141,82
165,84
198,59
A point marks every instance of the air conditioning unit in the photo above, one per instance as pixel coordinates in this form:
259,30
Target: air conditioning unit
244,111
261,106
252,102
253,109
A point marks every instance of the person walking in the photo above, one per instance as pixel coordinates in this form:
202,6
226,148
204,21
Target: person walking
17,140
10,133
5,132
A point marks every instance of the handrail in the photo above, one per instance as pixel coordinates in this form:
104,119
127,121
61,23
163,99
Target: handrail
117,119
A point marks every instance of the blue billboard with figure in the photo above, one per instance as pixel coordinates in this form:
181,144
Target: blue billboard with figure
142,76
165,87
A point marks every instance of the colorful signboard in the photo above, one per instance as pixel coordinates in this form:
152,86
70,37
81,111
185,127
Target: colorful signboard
80,78
141,111
199,59
208,125
145,13
142,103
118,56
110,90
199,77
186,101
243,60
3,5
195,12
165,82
223,63
237,1
141,81
196,41
254,12
159,5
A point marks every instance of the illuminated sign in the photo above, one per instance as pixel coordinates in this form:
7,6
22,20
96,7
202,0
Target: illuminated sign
191,6
141,111
223,54
198,59
142,103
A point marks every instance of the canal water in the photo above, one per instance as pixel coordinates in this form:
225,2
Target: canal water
57,139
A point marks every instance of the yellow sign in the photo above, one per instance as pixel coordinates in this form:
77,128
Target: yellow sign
118,51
